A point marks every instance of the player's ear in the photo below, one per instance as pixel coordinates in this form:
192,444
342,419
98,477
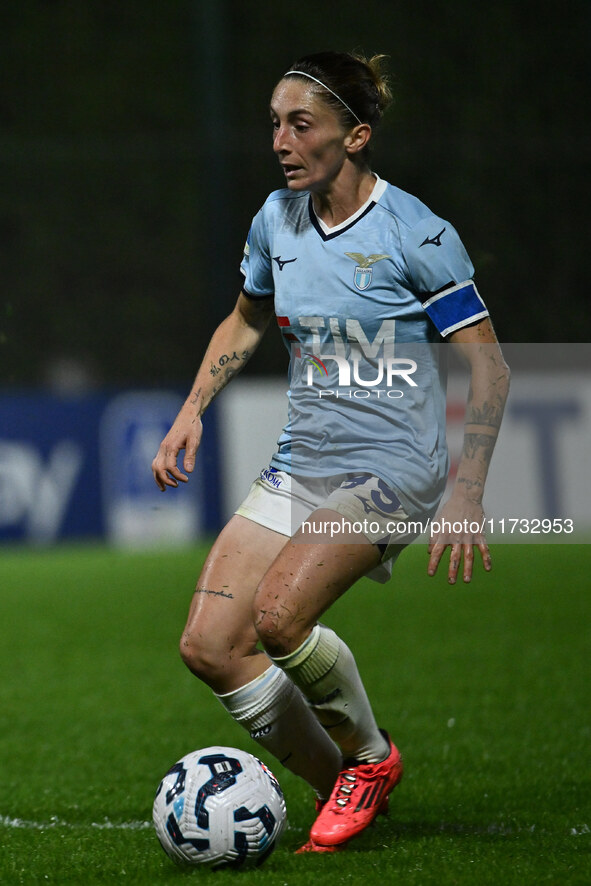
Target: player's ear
357,138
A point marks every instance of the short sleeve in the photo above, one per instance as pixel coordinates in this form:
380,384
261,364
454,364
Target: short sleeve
256,261
441,274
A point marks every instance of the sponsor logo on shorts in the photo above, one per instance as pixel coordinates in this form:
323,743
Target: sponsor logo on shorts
271,476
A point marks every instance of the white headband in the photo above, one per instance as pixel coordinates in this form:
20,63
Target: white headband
320,83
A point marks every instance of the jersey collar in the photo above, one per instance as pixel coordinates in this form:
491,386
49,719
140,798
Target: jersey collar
327,233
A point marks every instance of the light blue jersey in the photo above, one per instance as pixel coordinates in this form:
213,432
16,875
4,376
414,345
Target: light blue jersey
362,308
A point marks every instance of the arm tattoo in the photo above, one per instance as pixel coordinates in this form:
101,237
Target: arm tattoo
488,414
472,486
226,368
479,444
224,359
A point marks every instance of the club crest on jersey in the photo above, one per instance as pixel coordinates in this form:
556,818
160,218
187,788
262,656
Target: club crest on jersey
364,269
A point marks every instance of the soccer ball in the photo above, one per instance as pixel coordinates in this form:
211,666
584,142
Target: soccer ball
219,807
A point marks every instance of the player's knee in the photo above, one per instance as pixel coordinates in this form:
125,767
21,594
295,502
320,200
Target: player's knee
216,658
277,629
267,632
203,660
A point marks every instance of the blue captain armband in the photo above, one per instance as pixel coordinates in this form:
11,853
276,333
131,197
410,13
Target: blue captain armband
455,307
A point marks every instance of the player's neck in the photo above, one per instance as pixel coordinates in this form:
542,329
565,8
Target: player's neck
347,193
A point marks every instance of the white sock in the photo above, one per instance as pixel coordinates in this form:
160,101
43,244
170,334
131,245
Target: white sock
276,715
324,669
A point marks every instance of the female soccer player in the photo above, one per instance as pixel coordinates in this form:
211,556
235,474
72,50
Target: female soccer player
365,284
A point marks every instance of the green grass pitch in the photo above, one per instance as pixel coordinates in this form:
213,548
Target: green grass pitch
486,689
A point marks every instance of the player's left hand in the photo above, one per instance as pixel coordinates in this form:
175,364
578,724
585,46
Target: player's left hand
459,526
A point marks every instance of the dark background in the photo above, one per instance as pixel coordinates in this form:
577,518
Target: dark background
135,148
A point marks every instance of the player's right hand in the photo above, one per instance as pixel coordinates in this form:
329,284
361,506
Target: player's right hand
184,434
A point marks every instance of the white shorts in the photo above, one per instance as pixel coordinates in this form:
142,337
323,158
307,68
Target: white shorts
369,507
